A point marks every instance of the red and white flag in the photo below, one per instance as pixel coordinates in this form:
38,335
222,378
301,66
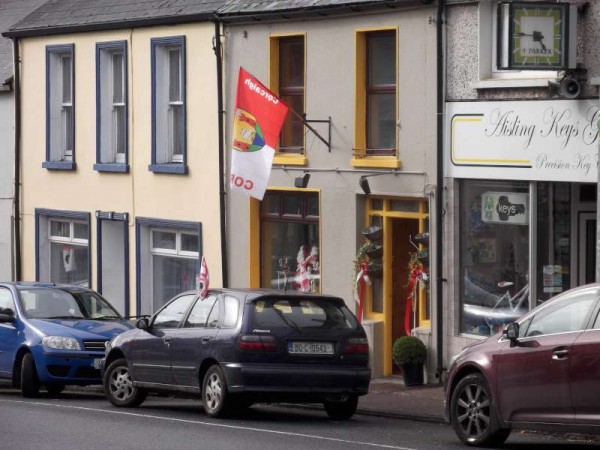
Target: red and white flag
259,116
203,280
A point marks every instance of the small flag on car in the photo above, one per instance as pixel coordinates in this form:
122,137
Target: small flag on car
203,279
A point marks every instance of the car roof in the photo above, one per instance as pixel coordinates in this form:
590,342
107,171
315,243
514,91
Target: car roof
254,293
44,284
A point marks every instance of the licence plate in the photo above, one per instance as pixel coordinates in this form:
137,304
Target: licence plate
97,362
310,348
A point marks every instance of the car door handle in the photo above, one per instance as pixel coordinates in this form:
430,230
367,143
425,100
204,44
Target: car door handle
206,339
560,354
167,341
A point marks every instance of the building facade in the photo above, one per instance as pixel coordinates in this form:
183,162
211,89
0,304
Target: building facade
120,148
356,158
521,172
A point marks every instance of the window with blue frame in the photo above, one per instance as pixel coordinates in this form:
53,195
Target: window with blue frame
168,105
111,107
60,107
62,247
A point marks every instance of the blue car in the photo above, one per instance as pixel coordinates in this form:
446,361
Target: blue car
54,335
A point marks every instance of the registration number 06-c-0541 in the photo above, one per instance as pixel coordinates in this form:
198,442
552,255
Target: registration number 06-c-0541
310,348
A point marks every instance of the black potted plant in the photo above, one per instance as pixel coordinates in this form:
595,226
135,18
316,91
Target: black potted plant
410,353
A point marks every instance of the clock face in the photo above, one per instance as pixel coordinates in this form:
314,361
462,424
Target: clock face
538,35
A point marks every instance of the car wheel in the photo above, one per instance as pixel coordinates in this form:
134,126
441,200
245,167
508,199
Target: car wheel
215,397
341,408
473,418
30,383
55,388
119,388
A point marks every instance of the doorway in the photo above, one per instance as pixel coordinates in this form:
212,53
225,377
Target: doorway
403,230
587,247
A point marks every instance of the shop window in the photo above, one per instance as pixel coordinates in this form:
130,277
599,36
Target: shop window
60,105
111,106
376,93
290,241
168,255
288,64
168,105
63,254
494,254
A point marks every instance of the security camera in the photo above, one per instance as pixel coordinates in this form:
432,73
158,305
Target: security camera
569,88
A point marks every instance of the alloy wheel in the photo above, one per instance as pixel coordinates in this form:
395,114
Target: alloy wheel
473,411
213,392
120,384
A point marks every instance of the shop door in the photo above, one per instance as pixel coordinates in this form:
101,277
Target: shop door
587,247
402,230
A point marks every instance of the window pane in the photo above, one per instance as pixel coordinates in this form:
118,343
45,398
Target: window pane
199,313
60,228
80,230
176,131
292,132
494,254
270,204
189,242
404,205
69,264
312,205
304,314
381,117
174,75
120,140
232,308
382,58
292,205
171,316
568,317
172,275
67,123
164,240
117,68
291,60
66,79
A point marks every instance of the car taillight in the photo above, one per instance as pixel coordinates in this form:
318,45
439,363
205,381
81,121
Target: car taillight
253,342
357,345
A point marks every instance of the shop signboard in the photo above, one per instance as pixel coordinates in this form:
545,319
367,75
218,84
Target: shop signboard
543,140
505,208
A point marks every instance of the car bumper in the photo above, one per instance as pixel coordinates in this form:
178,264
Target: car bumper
68,367
306,381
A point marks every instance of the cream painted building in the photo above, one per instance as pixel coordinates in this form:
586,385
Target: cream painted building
120,149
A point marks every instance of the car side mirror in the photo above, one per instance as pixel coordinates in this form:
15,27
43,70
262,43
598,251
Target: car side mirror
142,323
511,332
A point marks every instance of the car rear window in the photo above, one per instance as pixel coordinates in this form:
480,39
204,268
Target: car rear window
301,314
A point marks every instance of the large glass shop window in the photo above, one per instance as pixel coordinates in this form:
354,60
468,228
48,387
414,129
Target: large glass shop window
494,254
290,241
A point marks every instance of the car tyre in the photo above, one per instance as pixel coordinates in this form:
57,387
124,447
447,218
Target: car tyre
119,388
30,383
55,388
472,414
341,408
215,397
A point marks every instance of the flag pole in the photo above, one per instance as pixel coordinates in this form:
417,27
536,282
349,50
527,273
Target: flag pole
309,126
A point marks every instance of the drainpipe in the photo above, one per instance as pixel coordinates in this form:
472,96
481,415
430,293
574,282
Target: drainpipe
222,177
439,207
17,192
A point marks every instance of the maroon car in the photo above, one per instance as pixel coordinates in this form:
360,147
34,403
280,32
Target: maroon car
541,372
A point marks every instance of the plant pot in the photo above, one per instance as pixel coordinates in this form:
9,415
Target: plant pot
412,374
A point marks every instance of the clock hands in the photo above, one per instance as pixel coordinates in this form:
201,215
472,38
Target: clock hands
537,37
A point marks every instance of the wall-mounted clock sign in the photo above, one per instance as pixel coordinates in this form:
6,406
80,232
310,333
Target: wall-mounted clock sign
538,35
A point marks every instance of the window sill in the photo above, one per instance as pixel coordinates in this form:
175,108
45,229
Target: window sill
290,160
59,165
376,161
168,168
504,83
115,168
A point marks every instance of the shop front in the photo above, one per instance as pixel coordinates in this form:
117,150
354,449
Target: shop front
523,188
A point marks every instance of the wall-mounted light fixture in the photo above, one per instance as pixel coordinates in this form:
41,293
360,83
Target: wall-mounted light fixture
302,182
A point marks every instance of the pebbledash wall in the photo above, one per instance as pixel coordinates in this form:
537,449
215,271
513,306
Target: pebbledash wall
521,178
160,199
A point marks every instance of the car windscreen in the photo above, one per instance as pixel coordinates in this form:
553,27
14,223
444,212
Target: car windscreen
49,303
301,314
